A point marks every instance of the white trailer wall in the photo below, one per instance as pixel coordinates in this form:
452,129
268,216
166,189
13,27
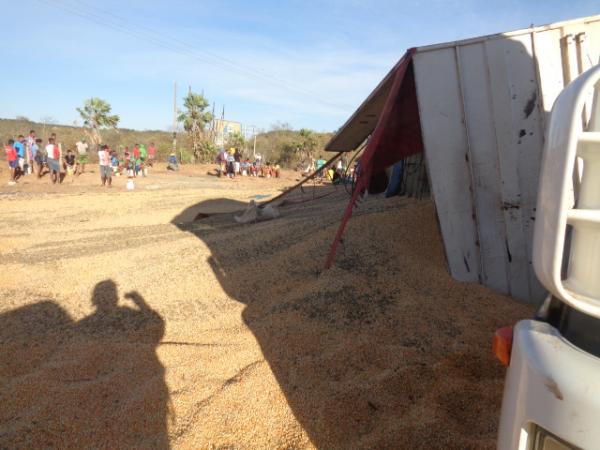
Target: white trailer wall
483,105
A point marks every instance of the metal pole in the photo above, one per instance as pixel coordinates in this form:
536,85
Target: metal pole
175,118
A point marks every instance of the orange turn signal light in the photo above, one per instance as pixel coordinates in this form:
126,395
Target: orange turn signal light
502,344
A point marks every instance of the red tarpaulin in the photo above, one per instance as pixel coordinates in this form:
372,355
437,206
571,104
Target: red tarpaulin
396,136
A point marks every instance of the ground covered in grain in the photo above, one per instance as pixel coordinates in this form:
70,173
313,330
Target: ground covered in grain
125,323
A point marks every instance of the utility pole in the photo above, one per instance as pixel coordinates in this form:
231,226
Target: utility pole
175,119
223,126
254,149
194,136
213,126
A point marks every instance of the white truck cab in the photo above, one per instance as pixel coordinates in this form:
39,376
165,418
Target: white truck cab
552,390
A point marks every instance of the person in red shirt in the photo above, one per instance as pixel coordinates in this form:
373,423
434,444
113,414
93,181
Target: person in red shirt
12,159
136,151
151,154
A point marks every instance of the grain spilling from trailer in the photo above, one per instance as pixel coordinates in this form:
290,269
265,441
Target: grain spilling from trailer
481,108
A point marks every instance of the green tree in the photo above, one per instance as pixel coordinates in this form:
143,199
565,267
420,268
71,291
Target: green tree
306,143
235,140
195,119
96,116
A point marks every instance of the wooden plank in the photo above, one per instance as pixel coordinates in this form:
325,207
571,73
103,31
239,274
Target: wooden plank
519,142
412,173
484,166
445,142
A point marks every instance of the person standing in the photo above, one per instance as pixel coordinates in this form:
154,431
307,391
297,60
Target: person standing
230,164
53,158
238,158
30,142
142,160
105,168
31,138
20,148
136,151
222,160
320,163
151,154
38,157
69,162
82,148
143,153
12,159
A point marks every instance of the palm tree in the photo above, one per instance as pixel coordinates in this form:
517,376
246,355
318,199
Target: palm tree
195,119
307,143
96,115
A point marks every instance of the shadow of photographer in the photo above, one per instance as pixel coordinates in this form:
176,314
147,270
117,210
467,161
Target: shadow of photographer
93,383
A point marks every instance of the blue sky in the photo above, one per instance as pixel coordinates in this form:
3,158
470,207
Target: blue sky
307,63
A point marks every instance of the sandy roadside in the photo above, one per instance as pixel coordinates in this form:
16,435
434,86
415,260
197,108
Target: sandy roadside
124,323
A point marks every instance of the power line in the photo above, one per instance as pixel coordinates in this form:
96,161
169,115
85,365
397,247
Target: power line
175,45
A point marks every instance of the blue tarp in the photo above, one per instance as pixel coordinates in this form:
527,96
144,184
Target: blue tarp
395,182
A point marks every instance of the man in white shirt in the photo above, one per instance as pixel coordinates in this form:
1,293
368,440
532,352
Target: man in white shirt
52,159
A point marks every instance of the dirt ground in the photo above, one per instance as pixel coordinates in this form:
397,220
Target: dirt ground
124,323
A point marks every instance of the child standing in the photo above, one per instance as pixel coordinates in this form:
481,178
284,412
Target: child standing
114,162
12,159
131,166
19,146
69,164
173,165
105,169
151,154
143,153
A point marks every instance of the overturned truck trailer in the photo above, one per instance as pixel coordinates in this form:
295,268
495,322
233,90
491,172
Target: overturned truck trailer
477,110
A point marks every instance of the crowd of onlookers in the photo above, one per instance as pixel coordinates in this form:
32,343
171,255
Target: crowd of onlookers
29,156
131,163
231,163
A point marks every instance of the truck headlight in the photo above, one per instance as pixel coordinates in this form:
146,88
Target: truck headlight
542,439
